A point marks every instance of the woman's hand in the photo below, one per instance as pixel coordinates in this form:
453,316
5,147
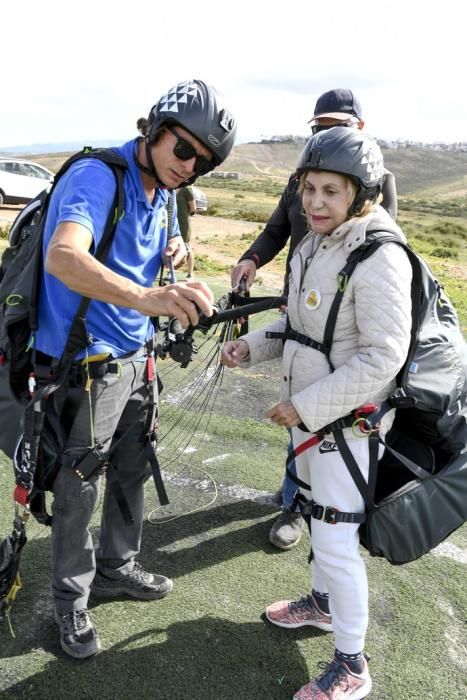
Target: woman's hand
234,352
284,413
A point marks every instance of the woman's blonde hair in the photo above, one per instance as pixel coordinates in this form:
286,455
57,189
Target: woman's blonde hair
365,207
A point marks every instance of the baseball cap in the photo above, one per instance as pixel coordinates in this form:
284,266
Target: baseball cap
339,103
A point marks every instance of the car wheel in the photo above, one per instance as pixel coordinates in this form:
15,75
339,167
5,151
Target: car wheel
2,198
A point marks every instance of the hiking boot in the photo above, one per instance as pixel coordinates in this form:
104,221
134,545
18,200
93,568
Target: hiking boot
287,530
337,682
78,636
299,613
137,584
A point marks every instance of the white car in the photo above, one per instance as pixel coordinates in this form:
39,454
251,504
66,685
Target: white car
21,180
201,200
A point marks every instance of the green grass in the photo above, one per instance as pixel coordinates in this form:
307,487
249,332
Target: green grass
207,640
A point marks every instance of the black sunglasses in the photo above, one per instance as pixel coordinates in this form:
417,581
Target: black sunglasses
323,127
184,150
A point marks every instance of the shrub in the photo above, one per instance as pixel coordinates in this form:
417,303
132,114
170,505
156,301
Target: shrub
444,253
4,231
449,229
248,215
203,263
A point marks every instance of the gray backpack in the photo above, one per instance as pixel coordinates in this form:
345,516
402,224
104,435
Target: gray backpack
417,493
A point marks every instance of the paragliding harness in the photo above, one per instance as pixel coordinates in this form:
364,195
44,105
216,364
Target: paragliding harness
43,385
416,493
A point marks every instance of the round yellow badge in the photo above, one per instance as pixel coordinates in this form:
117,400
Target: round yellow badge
312,299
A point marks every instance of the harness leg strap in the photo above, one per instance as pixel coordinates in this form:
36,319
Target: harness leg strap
156,472
114,483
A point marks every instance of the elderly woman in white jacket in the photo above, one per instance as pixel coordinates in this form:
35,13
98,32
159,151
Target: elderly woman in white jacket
341,172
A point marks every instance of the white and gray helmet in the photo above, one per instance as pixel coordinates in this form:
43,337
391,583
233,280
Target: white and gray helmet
347,152
198,108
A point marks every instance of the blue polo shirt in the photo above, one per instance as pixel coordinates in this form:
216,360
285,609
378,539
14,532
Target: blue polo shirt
84,195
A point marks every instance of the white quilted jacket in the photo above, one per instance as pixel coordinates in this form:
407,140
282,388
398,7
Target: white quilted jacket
372,333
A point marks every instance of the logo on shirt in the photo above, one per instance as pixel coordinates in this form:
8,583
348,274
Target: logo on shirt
328,446
312,299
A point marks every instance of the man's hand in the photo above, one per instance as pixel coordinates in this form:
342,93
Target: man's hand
183,300
284,413
234,352
246,269
175,249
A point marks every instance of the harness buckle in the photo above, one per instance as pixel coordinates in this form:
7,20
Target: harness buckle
318,512
362,415
327,514
330,515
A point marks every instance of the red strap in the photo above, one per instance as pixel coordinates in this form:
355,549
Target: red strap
21,495
150,368
314,440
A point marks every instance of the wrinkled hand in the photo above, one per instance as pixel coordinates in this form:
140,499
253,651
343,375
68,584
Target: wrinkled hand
175,249
247,269
183,300
234,352
284,413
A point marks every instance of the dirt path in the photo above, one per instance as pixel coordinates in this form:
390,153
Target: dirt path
212,233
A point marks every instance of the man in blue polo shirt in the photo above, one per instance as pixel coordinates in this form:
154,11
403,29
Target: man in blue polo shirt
189,133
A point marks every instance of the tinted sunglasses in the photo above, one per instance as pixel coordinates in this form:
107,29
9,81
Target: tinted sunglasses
184,150
322,127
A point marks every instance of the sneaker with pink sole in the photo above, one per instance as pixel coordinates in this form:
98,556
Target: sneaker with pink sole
299,613
337,682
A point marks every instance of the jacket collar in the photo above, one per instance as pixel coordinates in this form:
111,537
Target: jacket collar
354,231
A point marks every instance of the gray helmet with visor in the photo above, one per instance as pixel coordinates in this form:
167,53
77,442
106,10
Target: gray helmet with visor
347,152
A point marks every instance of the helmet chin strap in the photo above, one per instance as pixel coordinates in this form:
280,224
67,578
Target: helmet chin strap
149,169
362,196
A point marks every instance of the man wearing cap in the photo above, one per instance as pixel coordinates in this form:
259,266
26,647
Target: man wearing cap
338,107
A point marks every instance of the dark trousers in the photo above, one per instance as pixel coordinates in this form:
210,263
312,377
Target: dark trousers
117,404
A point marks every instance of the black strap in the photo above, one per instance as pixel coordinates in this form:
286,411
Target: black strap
150,441
291,334
372,243
418,471
295,479
353,467
330,515
156,471
114,483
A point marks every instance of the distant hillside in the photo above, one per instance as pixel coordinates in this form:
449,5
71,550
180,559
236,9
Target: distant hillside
65,147
415,168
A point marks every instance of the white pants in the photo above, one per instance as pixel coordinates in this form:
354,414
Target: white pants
337,566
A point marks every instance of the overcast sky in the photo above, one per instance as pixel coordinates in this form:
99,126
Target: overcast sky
86,70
